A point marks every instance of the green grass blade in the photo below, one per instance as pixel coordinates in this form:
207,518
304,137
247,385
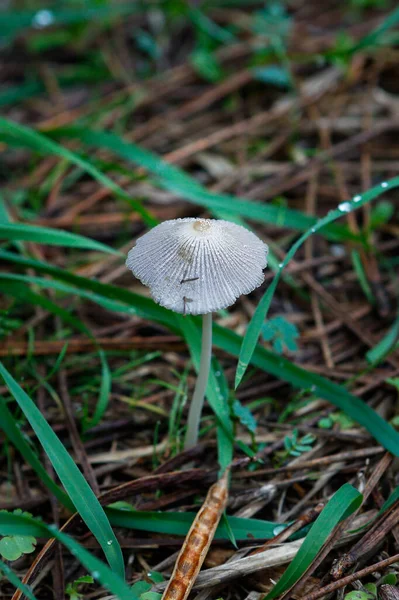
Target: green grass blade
112,305
320,386
231,343
180,183
54,237
72,479
386,345
12,578
13,433
344,502
15,286
105,390
19,135
255,325
362,277
98,292
373,38
11,524
178,523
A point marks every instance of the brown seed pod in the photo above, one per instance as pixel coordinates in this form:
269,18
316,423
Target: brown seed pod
197,542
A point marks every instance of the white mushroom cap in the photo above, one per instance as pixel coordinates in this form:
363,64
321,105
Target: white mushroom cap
197,266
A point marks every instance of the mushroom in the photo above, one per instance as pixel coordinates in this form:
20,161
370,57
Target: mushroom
198,266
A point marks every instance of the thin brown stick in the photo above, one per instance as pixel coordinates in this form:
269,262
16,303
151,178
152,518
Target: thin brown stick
337,585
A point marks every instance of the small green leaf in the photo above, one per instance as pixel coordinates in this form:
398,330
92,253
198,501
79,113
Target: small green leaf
13,547
151,596
140,587
274,75
358,595
206,65
280,332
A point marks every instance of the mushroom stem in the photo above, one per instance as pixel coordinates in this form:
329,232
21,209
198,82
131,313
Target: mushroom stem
194,414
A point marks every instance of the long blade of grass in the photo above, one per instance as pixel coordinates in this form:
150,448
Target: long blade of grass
320,386
230,342
11,524
178,523
12,22
374,37
72,479
180,183
14,434
16,286
344,502
15,134
15,580
255,325
54,237
112,305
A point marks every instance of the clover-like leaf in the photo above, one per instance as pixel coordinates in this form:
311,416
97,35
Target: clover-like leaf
13,547
280,333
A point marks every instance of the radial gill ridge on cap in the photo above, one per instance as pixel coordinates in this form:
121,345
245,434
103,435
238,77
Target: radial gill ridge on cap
197,266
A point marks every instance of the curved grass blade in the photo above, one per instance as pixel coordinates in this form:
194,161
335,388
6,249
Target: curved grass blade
13,433
109,296
11,524
255,325
78,489
66,289
344,502
12,578
54,237
19,135
178,182
320,386
388,343
230,342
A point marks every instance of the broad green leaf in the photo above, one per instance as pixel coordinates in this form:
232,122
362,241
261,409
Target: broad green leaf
344,502
72,479
54,237
13,547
